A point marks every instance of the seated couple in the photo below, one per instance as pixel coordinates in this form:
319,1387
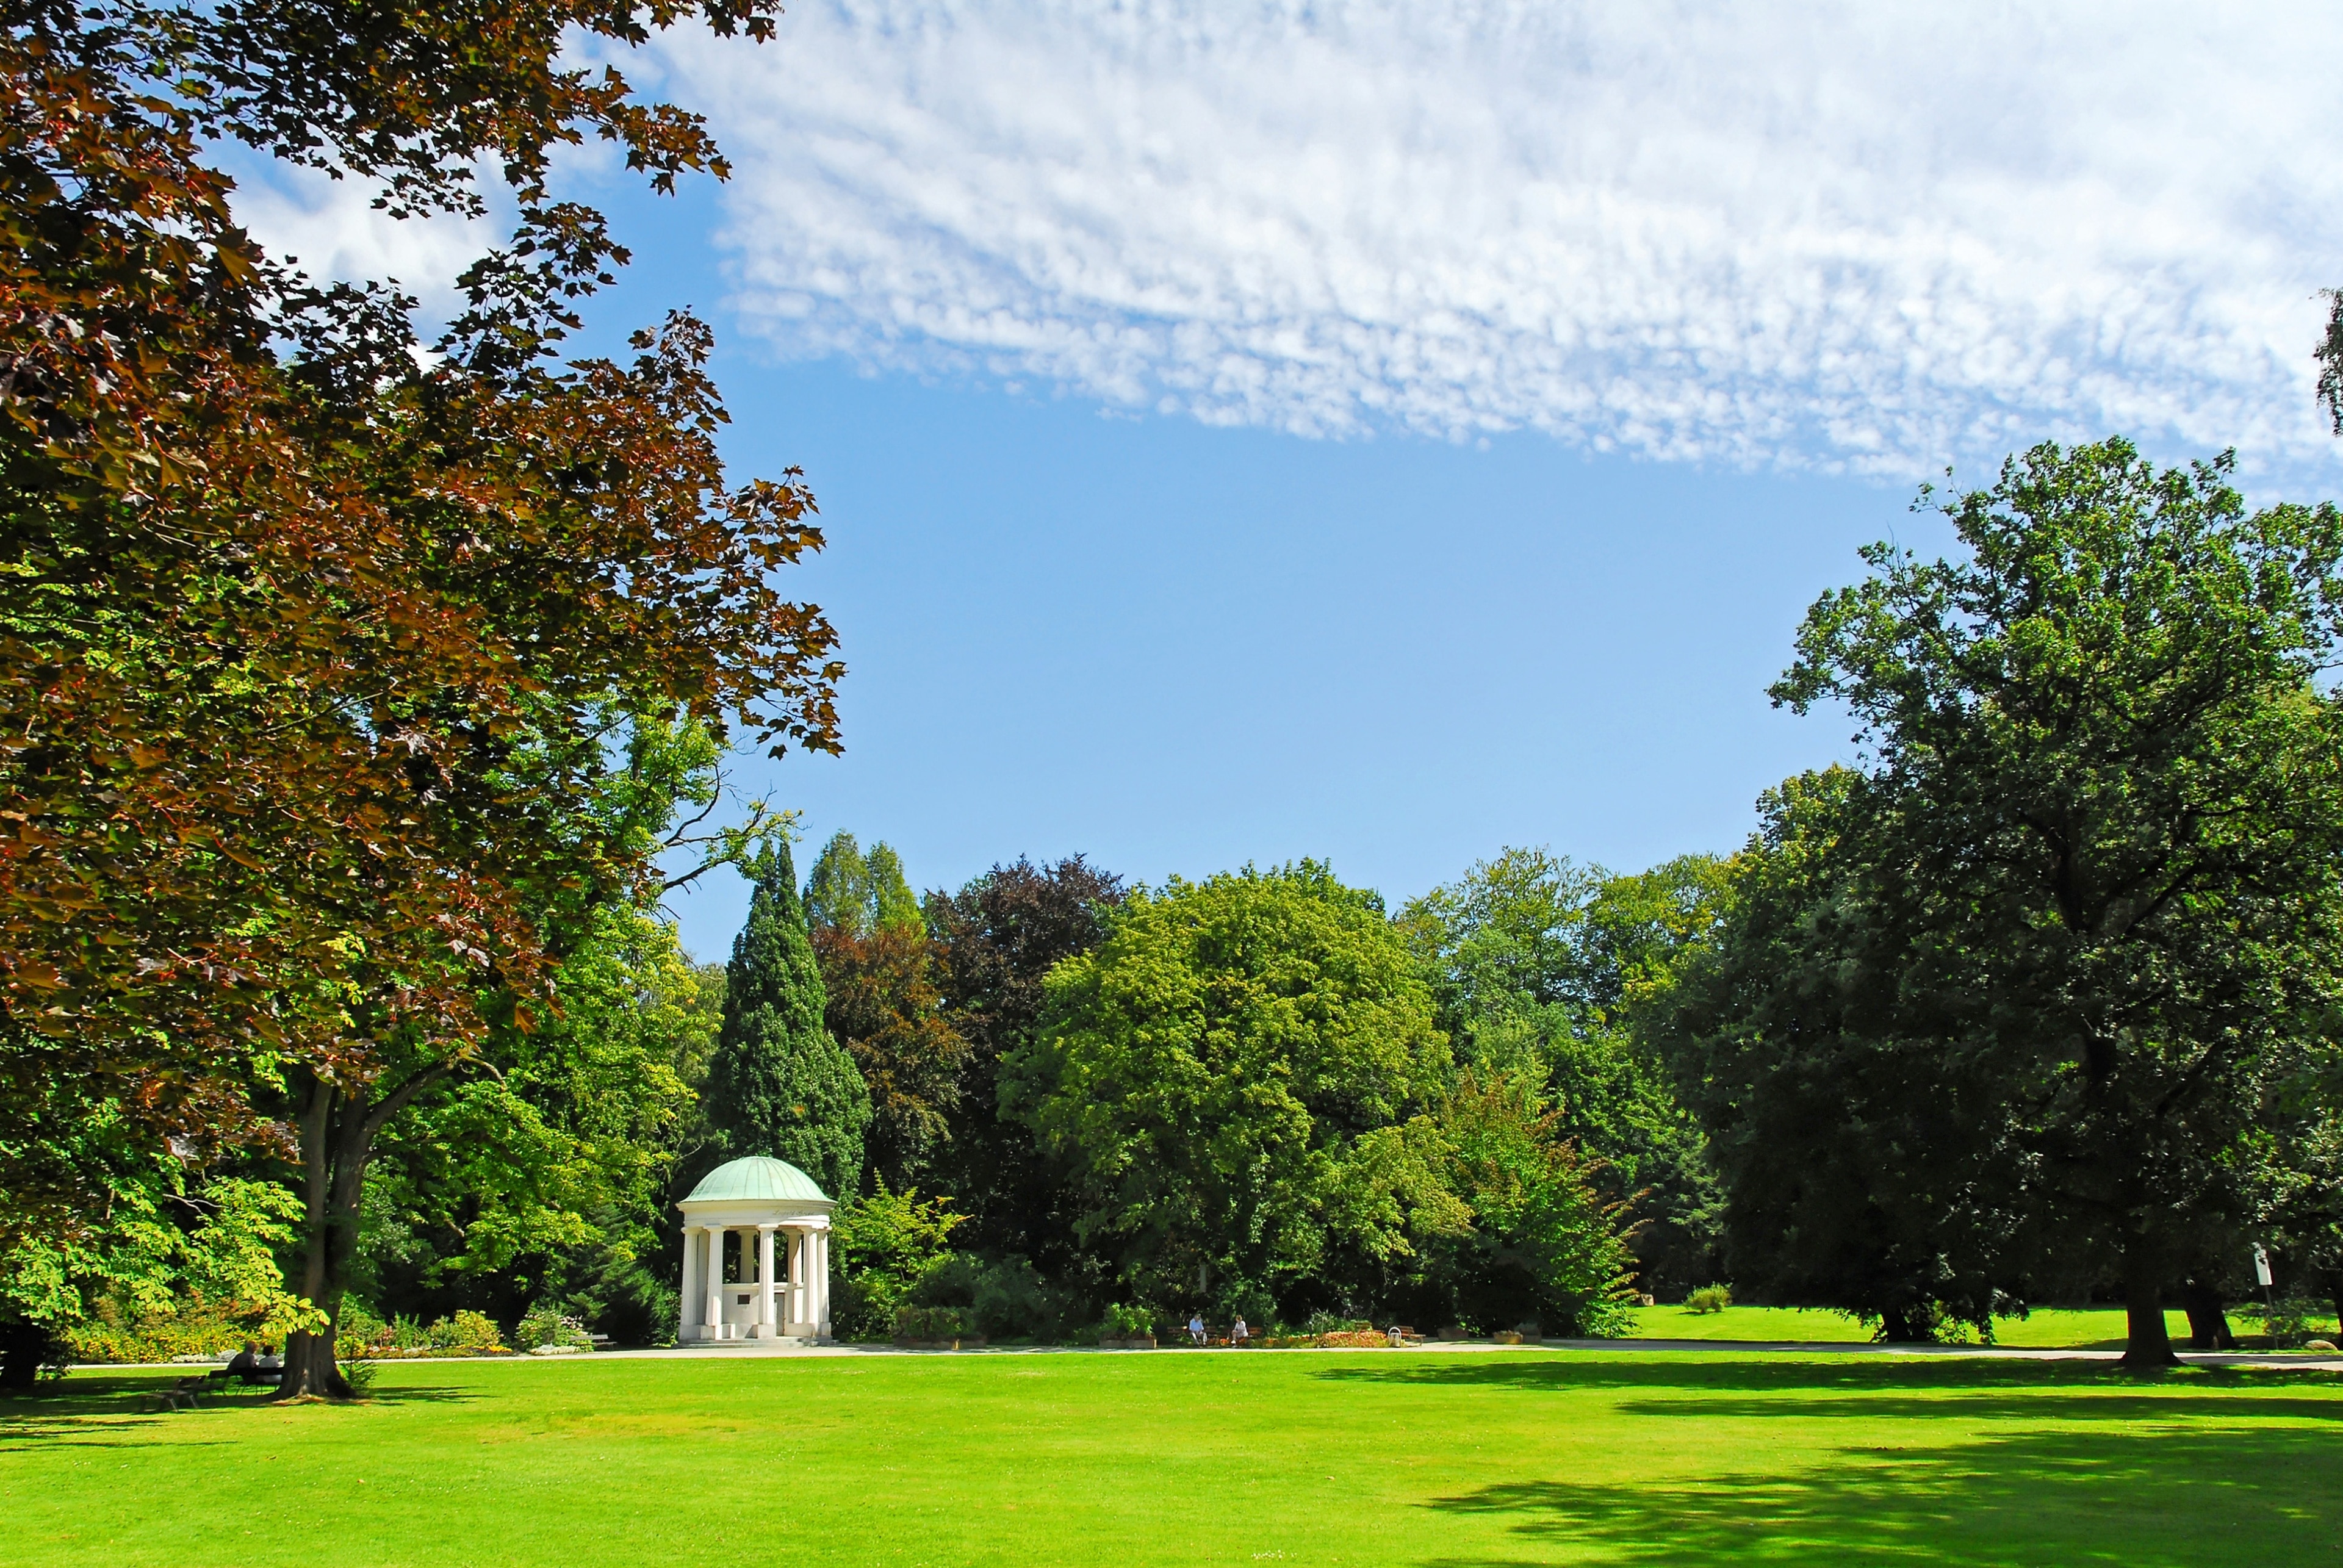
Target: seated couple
1237,1333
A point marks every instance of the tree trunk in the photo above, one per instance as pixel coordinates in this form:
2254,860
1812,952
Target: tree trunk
2209,1325
25,1347
338,1127
2146,1343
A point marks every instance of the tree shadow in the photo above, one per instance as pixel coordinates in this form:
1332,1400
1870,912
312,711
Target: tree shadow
2032,1393
421,1395
2149,1498
1862,1382
110,1411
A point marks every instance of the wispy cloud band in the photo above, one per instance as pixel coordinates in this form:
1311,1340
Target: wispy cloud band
1864,237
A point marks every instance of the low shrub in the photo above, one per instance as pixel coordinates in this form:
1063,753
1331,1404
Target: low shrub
887,1244
546,1325
913,1321
470,1332
1709,1298
2289,1324
361,1336
1002,1298
1123,1322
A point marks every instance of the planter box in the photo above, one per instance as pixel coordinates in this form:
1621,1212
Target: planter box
965,1342
1109,1342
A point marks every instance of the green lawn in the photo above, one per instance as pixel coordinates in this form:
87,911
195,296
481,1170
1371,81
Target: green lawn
1425,1457
2046,1328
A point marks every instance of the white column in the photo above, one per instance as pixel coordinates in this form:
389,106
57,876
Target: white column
715,1282
687,1312
796,1310
818,1276
766,1327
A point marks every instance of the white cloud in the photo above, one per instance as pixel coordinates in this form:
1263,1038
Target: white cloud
1865,236
332,230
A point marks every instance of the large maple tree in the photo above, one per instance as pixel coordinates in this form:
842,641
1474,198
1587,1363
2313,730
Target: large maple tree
319,651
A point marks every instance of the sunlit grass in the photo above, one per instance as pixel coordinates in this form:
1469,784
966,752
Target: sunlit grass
1396,1456
2046,1328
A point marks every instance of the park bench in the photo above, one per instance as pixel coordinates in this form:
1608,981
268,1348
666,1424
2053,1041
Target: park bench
1221,1339
180,1395
269,1370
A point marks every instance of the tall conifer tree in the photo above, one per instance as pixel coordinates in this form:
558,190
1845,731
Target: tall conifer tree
779,1084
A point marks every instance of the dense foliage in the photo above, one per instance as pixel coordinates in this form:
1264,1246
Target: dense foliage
1548,970
2029,997
1542,1245
779,1085
320,645
1245,1087
359,688
999,938
879,973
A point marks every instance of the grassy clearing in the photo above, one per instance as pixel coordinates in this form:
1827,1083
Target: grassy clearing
1749,1323
1403,1457
2046,1328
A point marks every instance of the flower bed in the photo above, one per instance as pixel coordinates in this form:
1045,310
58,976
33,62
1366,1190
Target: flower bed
362,1337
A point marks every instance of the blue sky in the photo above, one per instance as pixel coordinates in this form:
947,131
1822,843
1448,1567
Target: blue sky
1177,647
1390,433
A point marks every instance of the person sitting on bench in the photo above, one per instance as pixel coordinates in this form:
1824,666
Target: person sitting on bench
246,1366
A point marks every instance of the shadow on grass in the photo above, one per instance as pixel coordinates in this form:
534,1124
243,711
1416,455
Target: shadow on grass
421,1395
2211,1495
111,1410
1868,1377
1919,1391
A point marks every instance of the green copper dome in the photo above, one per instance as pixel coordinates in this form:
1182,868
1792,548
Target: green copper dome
756,1180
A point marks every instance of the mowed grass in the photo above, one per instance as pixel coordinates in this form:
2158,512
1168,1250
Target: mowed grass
2046,1328
1429,1457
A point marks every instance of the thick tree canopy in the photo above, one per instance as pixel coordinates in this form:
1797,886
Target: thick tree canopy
879,973
858,894
1867,1168
2074,925
1000,937
1237,1076
320,648
1541,1246
1545,968
778,1084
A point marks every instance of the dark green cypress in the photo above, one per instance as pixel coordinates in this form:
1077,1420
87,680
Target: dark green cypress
779,1084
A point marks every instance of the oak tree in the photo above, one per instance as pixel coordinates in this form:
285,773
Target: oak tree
2088,883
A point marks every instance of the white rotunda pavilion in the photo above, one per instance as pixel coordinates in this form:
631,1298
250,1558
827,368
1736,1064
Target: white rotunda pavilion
779,1284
